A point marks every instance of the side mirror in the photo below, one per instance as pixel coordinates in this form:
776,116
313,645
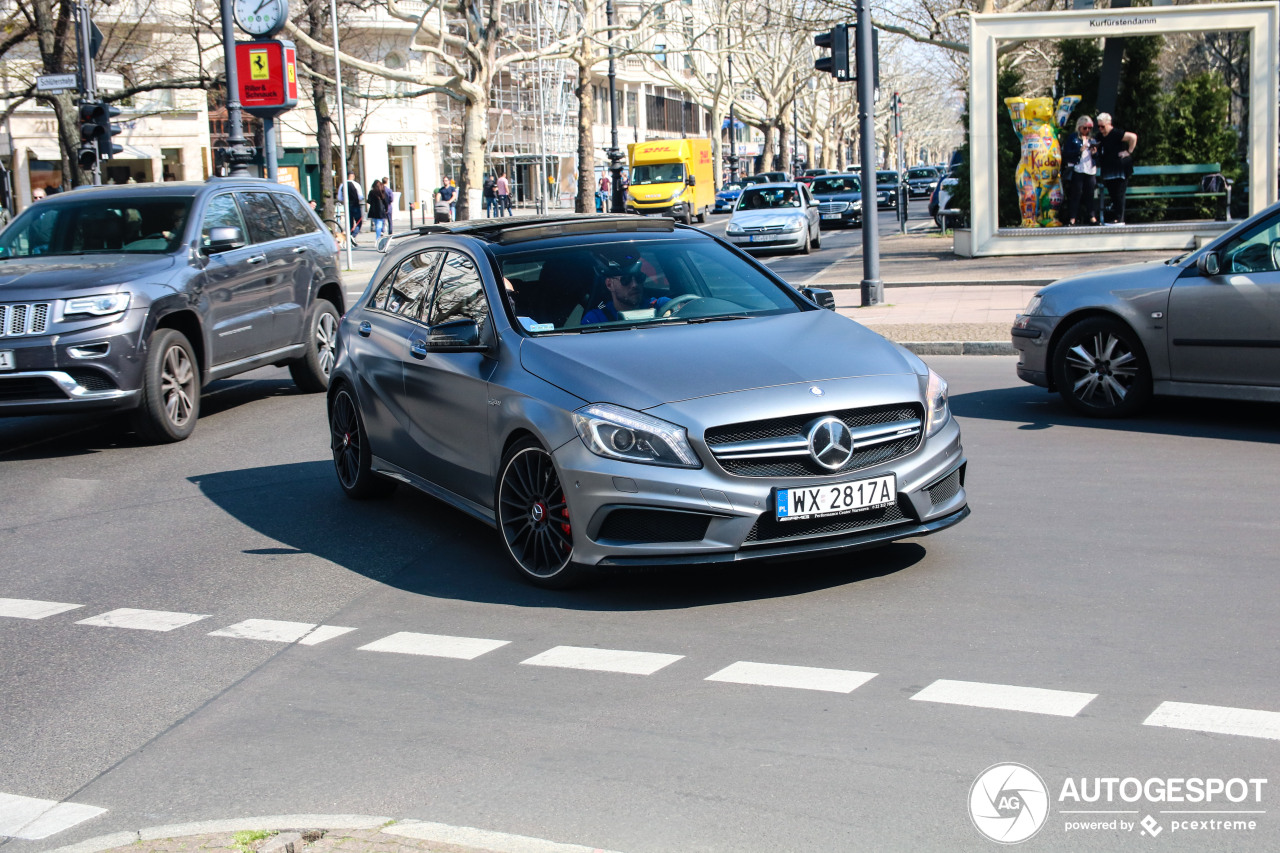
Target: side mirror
692,181
455,336
821,297
1209,264
223,238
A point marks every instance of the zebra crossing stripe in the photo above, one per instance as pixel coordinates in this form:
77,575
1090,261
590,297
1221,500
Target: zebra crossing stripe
26,608
32,819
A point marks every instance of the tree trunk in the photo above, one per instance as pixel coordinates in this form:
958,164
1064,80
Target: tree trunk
767,153
475,137
324,124
585,201
54,32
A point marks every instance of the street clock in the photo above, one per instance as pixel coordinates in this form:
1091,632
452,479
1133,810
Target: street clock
261,18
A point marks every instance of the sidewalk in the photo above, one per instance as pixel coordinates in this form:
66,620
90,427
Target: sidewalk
935,302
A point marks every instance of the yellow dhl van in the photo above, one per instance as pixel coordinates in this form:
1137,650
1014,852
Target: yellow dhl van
672,177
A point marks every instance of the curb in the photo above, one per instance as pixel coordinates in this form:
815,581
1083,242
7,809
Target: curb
440,833
959,347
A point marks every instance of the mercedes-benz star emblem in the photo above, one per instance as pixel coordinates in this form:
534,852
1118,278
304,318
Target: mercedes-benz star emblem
816,391
830,443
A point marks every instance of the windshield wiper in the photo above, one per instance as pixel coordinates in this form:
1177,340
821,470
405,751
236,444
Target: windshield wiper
719,318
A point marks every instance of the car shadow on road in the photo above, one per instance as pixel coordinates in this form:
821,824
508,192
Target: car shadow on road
416,543
1036,409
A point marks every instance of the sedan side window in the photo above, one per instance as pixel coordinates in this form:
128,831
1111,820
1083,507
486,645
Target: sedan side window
404,291
460,293
221,212
265,222
1255,250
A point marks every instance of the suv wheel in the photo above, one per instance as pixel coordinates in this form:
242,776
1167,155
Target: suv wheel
351,453
1100,369
170,389
533,518
311,372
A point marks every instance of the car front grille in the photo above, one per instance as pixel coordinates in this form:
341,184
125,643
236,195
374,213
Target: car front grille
779,447
833,207
18,388
767,229
653,525
18,319
945,489
769,529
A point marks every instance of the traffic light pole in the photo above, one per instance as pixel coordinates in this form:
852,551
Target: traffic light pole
88,76
872,286
617,201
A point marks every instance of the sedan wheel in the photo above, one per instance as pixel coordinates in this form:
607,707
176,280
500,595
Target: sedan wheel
1100,369
533,518
352,456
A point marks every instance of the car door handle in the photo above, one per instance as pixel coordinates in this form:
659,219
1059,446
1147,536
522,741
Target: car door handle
365,329
419,348
298,250
256,259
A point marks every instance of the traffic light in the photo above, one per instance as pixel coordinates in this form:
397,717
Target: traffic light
88,155
102,116
837,64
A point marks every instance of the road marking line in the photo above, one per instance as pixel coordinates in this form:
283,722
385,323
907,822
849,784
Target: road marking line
603,660
1006,697
33,819
800,677
143,620
1218,719
434,645
27,608
322,633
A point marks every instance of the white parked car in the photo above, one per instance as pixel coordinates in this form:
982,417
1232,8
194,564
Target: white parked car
775,216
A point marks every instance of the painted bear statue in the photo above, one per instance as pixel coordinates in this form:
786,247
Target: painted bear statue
1038,178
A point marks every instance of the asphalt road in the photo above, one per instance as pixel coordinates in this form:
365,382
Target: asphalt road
1133,560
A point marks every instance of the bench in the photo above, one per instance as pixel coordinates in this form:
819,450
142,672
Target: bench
1140,192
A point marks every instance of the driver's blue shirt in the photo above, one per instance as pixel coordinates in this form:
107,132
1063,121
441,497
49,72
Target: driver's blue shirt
606,313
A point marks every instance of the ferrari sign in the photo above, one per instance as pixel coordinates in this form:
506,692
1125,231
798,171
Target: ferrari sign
268,76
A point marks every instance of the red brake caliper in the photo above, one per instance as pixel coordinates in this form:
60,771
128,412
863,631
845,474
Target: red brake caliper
564,525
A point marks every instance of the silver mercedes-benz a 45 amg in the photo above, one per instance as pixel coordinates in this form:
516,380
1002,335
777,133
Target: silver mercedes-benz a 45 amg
622,391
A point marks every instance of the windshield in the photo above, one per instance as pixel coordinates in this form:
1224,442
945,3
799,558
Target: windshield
844,184
632,284
731,188
922,173
767,199
658,173
97,226
886,177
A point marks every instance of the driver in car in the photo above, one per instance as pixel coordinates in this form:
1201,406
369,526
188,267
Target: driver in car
623,284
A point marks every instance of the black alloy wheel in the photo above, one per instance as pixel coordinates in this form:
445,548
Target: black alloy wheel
1101,370
533,518
351,454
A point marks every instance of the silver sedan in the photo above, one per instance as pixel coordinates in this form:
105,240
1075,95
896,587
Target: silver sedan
623,391
1203,324
776,217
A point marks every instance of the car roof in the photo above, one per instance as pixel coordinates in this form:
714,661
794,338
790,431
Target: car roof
171,188
521,229
773,185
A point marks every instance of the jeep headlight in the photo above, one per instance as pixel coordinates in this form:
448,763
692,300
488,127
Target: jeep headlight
935,398
617,433
97,306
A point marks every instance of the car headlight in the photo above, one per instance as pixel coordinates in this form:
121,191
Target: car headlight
794,225
98,306
1033,307
857,205
617,433
734,229
936,403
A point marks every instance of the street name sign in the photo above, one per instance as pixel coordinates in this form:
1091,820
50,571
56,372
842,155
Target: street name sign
55,82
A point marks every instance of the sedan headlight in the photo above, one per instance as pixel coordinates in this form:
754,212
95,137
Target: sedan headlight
857,205
794,225
734,229
98,306
936,403
1033,307
617,433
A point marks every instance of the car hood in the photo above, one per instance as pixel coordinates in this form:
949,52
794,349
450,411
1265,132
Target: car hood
52,274
765,218
1066,295
849,196
643,368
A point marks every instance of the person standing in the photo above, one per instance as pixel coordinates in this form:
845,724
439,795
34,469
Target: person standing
377,210
390,197
355,209
444,202
490,193
1115,161
503,192
1080,164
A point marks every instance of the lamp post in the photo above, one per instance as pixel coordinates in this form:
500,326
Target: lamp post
616,200
342,127
733,130
238,152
